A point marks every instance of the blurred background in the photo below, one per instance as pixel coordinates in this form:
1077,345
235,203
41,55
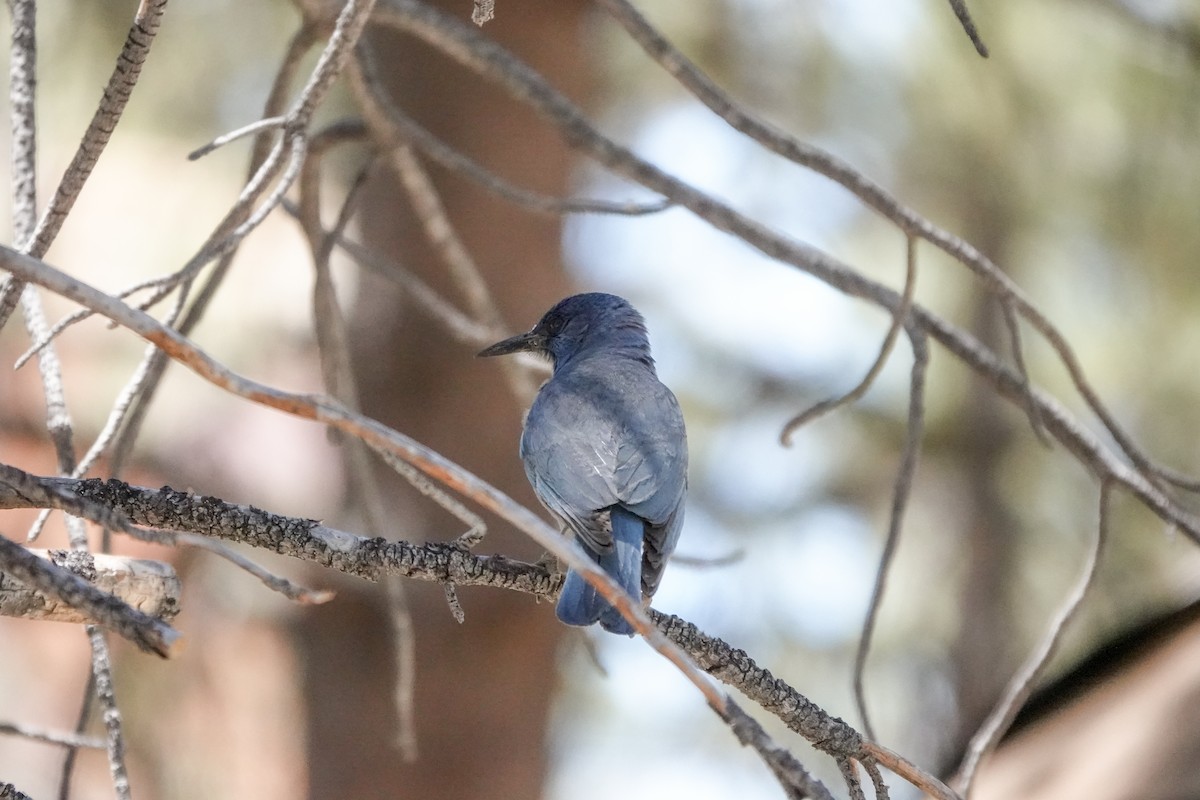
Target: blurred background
1069,157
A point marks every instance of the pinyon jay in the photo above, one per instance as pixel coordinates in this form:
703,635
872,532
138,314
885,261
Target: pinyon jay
605,449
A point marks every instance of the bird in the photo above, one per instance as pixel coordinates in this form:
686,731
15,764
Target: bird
605,449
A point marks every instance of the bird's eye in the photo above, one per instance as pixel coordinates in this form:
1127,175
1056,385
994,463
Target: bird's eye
555,324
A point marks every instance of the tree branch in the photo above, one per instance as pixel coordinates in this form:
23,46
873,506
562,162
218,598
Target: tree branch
149,634
148,586
374,558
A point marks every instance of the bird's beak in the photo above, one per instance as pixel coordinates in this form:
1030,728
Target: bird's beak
523,342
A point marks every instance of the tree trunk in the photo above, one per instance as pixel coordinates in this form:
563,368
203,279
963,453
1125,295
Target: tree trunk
483,688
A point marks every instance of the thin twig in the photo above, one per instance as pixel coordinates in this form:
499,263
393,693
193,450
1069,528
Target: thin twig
51,737
791,774
333,348
900,495
908,771
456,609
395,128
430,211
22,87
117,92
851,779
404,648
968,26
881,789
1013,323
110,712
885,351
483,11
1021,686
155,361
269,123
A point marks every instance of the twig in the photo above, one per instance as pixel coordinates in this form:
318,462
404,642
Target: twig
334,351
790,773
269,123
703,562
22,80
456,609
240,221
393,127
457,324
430,212
1021,686
908,771
900,495
50,737
885,351
117,92
22,93
881,789
154,361
405,652
851,779
968,26
110,712
1013,323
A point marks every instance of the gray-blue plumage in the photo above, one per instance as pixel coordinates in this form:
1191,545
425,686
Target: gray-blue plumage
604,448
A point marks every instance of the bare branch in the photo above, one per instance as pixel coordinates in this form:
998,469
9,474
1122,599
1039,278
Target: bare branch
900,495
124,77
445,563
885,351
149,586
270,123
1013,324
1021,686
790,773
51,737
404,647
968,26
148,633
392,127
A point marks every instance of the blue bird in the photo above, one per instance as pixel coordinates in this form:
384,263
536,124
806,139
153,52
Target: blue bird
605,449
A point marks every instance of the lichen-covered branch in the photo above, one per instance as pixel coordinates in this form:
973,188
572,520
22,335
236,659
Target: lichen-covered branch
373,558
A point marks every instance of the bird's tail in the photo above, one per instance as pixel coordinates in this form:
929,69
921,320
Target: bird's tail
580,604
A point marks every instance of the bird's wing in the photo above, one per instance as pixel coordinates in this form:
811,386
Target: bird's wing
570,465
593,441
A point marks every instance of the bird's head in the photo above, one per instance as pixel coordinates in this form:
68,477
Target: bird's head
579,324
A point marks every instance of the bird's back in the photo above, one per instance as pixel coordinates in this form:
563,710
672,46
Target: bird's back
604,431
